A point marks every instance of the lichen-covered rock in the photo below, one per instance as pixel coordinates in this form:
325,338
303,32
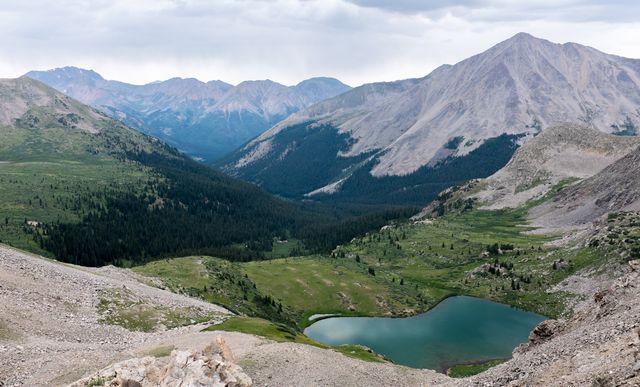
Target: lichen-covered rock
212,366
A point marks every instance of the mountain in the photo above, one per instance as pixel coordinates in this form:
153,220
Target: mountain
205,120
558,155
615,188
84,188
416,127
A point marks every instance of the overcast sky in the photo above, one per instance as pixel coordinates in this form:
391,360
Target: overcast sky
357,41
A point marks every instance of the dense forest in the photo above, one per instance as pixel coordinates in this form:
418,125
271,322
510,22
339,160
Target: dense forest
309,160
193,209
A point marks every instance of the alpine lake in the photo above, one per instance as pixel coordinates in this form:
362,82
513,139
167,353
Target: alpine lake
459,330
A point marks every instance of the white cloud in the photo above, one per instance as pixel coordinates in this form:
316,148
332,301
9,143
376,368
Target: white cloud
356,41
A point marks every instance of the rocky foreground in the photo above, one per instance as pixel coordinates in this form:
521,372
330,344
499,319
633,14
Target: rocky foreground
212,366
52,333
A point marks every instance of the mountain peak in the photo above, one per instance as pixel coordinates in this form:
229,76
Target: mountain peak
523,36
67,72
523,39
517,88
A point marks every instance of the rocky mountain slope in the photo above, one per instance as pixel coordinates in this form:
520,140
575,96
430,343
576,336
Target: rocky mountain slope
519,87
558,154
598,346
206,120
615,188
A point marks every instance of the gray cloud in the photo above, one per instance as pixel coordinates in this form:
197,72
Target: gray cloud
509,10
288,40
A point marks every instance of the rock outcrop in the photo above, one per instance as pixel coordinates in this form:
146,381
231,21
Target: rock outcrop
212,366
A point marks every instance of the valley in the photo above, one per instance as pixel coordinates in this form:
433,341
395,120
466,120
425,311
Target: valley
478,226
205,120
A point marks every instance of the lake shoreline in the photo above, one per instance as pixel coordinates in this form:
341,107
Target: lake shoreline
325,316
460,330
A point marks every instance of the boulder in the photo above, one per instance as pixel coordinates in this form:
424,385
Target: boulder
212,366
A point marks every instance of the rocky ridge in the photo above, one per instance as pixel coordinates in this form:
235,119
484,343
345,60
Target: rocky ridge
615,188
561,153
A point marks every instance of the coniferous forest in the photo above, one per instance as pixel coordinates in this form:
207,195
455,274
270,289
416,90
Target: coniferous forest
192,209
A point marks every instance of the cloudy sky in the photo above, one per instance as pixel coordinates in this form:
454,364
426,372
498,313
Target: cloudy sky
357,41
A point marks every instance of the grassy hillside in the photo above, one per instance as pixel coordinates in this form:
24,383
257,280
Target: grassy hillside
58,159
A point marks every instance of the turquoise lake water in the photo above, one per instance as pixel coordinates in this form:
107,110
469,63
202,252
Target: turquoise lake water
458,330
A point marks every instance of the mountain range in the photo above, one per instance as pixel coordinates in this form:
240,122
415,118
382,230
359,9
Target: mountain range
204,120
87,189
401,140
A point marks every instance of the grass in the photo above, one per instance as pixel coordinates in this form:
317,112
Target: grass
122,307
97,382
415,268
360,352
284,248
281,333
312,285
162,351
178,274
264,328
439,259
465,370
418,265
220,282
